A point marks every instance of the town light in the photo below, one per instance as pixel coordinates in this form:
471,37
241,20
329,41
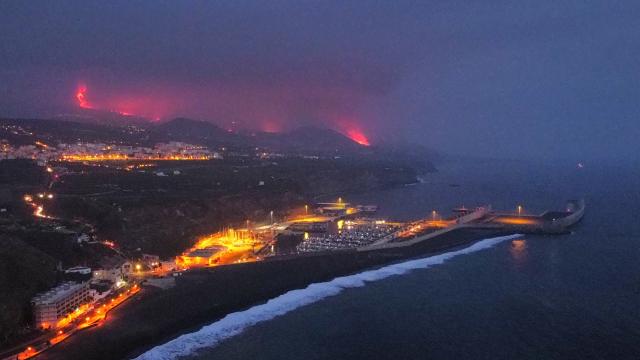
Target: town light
138,267
519,209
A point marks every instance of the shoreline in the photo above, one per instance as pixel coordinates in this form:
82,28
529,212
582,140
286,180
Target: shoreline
204,296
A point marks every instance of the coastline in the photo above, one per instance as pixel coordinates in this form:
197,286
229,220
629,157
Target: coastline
204,296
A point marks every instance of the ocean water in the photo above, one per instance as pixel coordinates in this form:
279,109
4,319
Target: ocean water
575,296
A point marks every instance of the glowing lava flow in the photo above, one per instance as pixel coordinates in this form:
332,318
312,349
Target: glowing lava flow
81,96
83,102
358,136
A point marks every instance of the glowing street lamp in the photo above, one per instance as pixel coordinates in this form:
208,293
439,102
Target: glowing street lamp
433,214
306,209
271,214
519,210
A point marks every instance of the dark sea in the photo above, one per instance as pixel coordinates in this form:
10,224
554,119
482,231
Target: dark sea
574,296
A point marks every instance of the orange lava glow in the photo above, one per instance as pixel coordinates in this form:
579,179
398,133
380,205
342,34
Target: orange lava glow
358,136
81,96
271,126
83,102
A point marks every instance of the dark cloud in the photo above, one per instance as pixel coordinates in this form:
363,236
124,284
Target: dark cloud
501,78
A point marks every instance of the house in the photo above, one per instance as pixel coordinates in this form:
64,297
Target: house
114,268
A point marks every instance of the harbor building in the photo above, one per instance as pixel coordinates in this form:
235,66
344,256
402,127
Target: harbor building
202,257
55,304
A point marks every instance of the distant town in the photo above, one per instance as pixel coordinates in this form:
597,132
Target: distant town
43,153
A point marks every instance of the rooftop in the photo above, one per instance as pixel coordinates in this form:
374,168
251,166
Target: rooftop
206,252
57,293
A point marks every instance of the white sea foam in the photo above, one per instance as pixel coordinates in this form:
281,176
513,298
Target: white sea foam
234,323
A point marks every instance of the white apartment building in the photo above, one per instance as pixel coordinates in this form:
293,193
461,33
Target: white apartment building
50,306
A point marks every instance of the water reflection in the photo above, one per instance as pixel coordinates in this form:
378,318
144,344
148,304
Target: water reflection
519,251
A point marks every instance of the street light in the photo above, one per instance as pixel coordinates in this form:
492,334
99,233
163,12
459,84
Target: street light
306,209
433,215
519,210
271,214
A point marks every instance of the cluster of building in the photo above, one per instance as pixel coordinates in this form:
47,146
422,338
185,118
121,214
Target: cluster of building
227,246
42,152
53,309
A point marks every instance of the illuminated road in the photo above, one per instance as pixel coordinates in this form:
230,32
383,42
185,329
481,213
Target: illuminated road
82,319
38,207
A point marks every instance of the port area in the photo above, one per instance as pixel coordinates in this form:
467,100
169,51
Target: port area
282,258
369,233
548,222
259,240
340,226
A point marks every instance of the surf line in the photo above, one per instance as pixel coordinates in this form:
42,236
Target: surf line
233,324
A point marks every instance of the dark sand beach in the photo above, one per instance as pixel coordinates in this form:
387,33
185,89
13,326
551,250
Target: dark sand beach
201,297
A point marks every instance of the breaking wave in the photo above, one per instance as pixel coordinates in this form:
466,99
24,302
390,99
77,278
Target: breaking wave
234,323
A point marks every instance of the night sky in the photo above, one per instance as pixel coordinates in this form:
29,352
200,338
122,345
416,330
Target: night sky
537,79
